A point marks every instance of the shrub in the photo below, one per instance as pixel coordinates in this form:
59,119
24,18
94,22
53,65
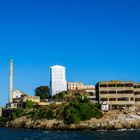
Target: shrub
60,96
76,112
3,121
17,113
98,105
71,115
28,104
42,113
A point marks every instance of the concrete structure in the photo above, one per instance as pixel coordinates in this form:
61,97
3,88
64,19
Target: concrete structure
0,111
43,104
72,86
11,82
18,94
21,99
104,106
79,86
57,80
137,93
117,94
35,99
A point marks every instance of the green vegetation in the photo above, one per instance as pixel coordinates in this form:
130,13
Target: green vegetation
98,105
42,92
60,96
28,104
80,110
17,113
43,113
3,121
71,115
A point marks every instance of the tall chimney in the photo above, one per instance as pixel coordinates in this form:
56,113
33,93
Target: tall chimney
11,82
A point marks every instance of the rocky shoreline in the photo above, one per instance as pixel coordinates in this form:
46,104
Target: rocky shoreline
111,120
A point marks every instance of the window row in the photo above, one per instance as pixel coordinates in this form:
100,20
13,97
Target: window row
116,85
117,92
117,99
136,86
137,93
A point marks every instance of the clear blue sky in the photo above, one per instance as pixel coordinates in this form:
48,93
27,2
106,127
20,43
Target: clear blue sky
95,39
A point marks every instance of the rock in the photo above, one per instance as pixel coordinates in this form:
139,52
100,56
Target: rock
110,121
118,126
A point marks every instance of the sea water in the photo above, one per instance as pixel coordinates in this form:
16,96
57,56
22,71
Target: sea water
25,134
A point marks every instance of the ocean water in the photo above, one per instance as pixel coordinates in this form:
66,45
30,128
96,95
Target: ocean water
25,134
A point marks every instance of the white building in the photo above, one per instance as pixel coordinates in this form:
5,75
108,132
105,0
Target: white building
57,79
80,86
18,94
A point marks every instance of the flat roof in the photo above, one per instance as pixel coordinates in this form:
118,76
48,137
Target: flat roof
115,82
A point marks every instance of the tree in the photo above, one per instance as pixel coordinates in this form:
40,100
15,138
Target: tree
28,104
80,110
45,113
71,115
17,113
42,92
60,96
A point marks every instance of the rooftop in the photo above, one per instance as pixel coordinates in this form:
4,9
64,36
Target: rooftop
115,82
57,66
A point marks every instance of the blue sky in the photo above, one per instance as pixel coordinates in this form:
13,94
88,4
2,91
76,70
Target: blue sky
95,39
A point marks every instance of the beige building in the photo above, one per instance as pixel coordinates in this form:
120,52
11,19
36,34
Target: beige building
79,86
18,94
35,99
137,93
20,97
117,94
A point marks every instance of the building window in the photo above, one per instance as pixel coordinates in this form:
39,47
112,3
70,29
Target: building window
120,85
103,85
111,85
135,86
104,99
137,93
123,99
112,92
129,85
112,99
103,92
132,99
125,92
137,99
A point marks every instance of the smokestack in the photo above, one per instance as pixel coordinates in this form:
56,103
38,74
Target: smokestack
11,82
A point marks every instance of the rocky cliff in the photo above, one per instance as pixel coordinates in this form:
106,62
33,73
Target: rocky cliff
111,120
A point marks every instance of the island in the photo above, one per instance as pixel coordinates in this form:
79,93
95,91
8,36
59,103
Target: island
70,112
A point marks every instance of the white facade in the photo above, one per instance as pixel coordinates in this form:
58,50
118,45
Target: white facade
18,94
57,79
104,106
11,82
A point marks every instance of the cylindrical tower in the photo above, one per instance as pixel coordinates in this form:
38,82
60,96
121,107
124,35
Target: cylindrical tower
11,82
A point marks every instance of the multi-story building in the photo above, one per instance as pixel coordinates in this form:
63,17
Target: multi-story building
57,79
72,86
116,94
137,93
79,86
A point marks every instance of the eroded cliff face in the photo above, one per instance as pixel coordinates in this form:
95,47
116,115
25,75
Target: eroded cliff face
111,120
